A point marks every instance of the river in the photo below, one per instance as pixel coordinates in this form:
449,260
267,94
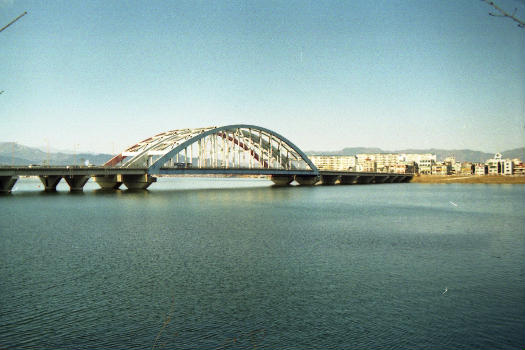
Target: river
236,263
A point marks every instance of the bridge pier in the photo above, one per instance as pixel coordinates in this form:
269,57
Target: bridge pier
391,178
365,179
76,182
348,180
406,178
307,180
50,182
380,179
329,179
109,182
7,183
282,180
138,182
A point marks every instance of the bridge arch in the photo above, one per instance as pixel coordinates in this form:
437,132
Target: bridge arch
237,146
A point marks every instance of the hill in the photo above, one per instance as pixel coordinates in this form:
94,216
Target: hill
16,154
12,153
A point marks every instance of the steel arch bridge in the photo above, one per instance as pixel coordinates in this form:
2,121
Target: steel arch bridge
231,149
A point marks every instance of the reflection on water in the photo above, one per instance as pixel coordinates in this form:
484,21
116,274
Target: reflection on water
224,263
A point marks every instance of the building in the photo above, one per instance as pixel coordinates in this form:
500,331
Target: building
467,168
404,168
368,165
441,169
451,160
385,162
495,165
480,169
519,169
425,166
332,162
508,167
417,157
424,161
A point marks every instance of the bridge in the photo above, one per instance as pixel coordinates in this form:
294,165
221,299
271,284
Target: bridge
236,150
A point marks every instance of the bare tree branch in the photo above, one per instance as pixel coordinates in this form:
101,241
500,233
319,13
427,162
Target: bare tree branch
503,13
13,21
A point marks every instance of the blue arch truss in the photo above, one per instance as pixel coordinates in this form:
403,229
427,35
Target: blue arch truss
272,153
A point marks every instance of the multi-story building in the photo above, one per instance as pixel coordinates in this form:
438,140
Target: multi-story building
401,168
451,160
385,162
417,157
424,161
495,165
480,169
425,166
333,162
456,168
519,169
467,168
508,167
441,169
368,165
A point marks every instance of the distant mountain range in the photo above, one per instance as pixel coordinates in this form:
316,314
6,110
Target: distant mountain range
17,154
12,153
462,155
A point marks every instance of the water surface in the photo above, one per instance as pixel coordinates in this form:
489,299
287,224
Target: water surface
236,263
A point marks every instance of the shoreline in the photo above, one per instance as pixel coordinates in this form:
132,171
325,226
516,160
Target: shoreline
468,179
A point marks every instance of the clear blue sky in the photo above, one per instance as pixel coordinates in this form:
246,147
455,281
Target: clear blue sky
101,75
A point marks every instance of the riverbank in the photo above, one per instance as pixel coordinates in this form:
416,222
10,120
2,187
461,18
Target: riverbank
469,179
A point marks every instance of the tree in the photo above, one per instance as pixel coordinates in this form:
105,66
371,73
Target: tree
503,13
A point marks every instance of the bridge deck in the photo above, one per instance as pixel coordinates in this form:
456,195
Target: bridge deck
141,178
106,171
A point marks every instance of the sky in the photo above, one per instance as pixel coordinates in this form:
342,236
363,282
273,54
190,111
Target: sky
100,76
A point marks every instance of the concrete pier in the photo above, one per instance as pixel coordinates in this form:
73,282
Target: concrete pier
365,179
76,182
391,178
348,179
329,179
109,182
138,182
380,179
50,182
7,183
307,180
282,180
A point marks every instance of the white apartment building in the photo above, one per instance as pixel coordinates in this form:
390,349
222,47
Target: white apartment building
508,167
480,169
424,161
338,163
417,157
495,165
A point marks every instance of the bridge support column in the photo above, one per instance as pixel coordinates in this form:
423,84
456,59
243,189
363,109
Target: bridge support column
76,182
365,179
406,178
282,180
7,183
138,182
307,180
391,178
109,182
329,179
50,182
380,179
348,180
